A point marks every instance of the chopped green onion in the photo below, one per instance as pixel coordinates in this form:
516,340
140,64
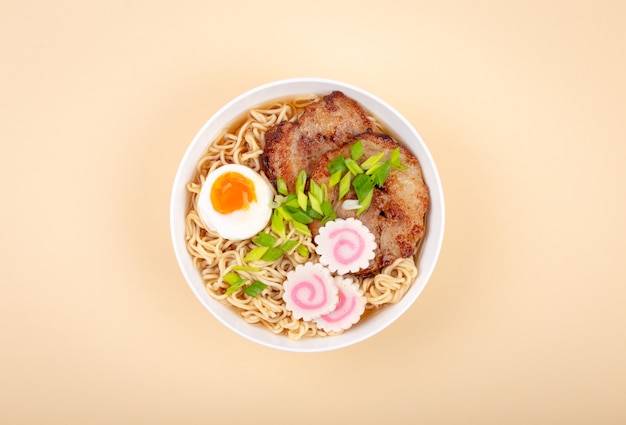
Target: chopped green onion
298,215
272,254
373,169
372,160
356,150
233,288
317,194
300,185
334,178
337,164
291,200
289,245
301,228
353,166
255,288
232,278
315,203
278,224
395,160
303,251
265,239
302,200
381,174
344,185
329,217
316,191
362,185
365,203
301,181
281,186
327,208
283,212
313,214
256,254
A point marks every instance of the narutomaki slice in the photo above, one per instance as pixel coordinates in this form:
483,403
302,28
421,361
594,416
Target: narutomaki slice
310,291
345,246
349,309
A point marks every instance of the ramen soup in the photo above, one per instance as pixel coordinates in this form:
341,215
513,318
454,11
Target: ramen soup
296,256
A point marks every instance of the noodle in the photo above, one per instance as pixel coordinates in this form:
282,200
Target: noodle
214,256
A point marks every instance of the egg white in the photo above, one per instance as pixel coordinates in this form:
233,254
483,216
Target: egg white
240,224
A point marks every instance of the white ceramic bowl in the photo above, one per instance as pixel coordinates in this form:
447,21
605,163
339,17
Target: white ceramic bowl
392,120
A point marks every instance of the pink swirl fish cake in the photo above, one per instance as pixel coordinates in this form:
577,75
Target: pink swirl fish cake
345,246
310,291
348,310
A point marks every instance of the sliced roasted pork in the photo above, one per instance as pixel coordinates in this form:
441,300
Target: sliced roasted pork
397,212
324,125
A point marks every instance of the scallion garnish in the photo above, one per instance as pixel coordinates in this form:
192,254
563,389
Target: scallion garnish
265,239
327,208
344,185
369,173
372,161
334,178
301,228
380,175
313,213
255,288
366,202
289,245
395,160
234,280
267,250
300,185
292,200
256,254
315,204
298,215
272,254
233,288
316,196
303,251
284,214
353,166
356,150
329,217
278,224
337,164
281,186
374,167
316,190
362,185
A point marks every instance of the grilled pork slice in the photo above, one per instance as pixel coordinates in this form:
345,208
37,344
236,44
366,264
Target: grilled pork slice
324,125
396,214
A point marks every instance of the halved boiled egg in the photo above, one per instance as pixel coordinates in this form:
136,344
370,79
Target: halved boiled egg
235,202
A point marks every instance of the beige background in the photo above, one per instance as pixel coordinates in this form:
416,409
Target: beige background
522,104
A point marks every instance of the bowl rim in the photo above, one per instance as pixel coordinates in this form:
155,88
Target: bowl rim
220,120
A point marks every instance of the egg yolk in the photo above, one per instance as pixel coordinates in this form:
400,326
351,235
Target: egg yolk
231,192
